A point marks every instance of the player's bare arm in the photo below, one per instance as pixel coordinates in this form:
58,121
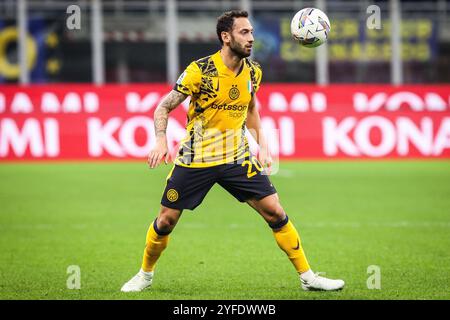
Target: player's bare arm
254,126
161,117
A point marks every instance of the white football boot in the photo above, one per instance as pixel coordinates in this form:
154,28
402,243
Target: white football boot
313,282
139,282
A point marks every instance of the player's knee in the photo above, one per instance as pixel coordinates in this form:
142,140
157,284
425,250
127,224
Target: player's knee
165,223
274,214
276,219
167,220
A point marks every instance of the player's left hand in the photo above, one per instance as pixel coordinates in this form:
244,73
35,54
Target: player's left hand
266,159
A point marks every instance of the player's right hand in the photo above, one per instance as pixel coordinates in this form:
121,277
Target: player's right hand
159,152
265,159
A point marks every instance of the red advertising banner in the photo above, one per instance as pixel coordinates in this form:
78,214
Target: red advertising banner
300,121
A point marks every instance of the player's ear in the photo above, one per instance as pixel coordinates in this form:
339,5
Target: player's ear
225,36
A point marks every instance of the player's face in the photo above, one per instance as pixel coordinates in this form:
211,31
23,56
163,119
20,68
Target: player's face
241,37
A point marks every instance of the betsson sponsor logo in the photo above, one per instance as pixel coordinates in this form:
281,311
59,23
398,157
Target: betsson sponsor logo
228,107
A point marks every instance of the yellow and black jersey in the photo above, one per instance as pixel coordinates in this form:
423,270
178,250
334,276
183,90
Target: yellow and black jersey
215,130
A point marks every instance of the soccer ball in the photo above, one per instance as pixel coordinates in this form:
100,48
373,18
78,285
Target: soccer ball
310,27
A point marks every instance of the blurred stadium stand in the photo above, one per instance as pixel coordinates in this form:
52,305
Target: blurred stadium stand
136,35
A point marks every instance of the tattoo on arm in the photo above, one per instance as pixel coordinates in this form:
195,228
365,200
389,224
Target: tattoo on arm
161,115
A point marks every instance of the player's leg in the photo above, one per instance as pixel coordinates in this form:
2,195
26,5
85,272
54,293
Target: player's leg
283,229
248,183
158,236
257,190
185,189
289,241
156,241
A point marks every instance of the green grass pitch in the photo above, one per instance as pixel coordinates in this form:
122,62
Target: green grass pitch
350,215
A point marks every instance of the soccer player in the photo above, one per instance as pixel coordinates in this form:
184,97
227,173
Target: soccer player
215,150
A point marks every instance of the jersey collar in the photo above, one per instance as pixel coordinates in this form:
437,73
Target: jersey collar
222,68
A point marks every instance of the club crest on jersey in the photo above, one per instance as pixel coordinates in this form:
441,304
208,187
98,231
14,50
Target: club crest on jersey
234,92
172,195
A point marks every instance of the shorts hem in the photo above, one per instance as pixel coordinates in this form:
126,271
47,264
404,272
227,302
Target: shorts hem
172,206
259,196
178,207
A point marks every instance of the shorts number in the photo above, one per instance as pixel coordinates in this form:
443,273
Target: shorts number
255,162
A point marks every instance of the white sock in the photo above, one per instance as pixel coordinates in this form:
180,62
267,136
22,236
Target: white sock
146,275
308,276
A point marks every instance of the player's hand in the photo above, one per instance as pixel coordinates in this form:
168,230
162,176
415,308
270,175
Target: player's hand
266,159
159,153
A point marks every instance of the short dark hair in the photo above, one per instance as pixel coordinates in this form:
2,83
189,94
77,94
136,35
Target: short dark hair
226,20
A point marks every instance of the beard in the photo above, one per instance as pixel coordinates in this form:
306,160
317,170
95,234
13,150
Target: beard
238,50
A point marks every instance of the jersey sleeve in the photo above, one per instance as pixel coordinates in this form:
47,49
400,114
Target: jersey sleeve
189,81
256,76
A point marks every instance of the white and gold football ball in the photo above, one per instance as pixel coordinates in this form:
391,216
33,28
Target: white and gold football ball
311,27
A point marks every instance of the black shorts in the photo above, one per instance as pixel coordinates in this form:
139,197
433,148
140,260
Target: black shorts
187,187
